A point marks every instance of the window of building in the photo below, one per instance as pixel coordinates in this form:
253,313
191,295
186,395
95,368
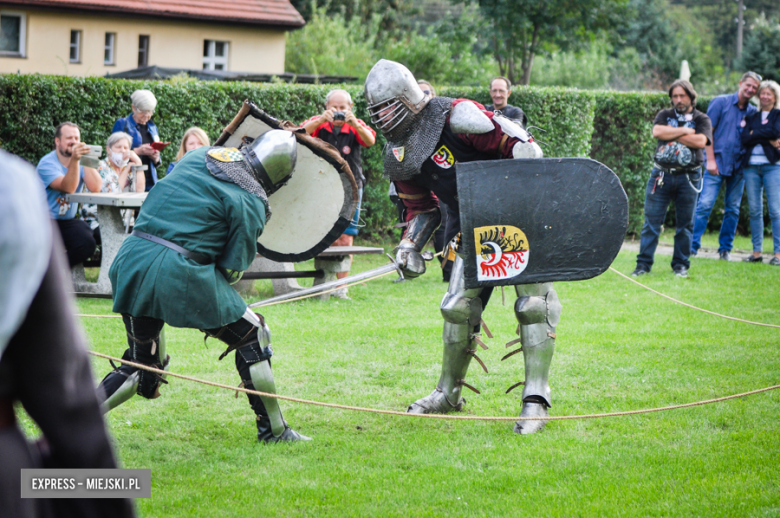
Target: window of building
108,54
75,46
143,51
13,28
215,55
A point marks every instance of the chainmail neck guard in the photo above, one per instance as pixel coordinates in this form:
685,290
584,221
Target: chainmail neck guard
418,136
240,174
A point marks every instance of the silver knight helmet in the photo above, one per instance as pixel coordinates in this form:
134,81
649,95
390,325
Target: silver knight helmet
272,158
393,95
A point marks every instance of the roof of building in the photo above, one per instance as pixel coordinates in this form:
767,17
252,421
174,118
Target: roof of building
245,12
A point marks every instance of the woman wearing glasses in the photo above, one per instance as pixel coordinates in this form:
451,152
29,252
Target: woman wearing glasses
140,127
761,139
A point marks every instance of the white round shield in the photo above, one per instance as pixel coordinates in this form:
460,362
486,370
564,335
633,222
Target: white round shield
315,206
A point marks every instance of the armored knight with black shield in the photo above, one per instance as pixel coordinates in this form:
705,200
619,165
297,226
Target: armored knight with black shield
431,142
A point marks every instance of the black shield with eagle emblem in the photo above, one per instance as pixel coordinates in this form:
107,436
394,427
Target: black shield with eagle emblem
527,221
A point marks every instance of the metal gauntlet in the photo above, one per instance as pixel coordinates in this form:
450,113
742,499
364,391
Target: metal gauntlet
418,233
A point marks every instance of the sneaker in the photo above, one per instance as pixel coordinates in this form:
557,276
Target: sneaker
639,271
775,261
341,294
725,255
754,259
682,271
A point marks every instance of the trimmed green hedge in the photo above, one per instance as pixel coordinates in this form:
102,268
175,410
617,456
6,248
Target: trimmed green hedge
611,127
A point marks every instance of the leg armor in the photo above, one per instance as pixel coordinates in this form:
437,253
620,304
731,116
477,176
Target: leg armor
462,311
251,339
146,341
538,311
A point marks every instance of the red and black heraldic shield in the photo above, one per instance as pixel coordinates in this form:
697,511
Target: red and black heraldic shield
315,206
527,221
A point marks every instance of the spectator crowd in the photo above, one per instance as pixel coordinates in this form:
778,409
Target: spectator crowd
732,146
132,157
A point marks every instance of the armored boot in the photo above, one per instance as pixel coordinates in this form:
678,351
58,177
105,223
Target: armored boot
251,339
538,311
146,340
271,426
462,312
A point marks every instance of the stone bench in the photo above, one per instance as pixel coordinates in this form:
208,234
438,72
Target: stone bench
112,235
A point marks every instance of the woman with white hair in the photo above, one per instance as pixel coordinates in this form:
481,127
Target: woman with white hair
761,139
143,132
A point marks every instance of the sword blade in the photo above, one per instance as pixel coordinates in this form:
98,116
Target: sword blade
326,286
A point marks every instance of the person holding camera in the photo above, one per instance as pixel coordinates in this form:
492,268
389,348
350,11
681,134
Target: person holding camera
62,174
682,132
338,126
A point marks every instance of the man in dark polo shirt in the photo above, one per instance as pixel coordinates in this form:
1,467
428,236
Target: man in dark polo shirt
682,132
338,126
500,90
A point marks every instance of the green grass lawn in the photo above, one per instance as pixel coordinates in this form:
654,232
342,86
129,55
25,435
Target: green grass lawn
619,348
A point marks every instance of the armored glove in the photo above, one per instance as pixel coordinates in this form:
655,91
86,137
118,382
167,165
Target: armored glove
409,259
232,276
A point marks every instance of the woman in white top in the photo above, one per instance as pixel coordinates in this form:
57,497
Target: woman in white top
761,139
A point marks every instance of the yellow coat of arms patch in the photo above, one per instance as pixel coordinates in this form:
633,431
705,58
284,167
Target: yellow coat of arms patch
226,154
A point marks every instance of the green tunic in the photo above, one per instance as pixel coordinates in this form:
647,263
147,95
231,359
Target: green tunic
196,211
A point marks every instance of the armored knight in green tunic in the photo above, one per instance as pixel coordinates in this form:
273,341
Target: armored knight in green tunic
196,233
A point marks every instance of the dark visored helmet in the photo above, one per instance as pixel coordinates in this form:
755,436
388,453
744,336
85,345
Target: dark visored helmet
272,158
392,94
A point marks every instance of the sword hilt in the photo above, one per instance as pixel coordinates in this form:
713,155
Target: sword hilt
397,268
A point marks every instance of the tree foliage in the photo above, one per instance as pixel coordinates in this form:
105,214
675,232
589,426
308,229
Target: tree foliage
720,18
761,52
446,52
521,29
393,15
332,45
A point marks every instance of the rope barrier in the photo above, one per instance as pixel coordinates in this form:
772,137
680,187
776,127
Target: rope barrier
691,306
429,416
388,273
439,416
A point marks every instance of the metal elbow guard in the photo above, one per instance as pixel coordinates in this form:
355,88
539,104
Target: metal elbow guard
527,150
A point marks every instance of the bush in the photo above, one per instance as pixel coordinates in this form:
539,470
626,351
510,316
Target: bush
611,127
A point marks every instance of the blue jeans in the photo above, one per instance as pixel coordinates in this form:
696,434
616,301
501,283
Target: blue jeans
680,189
764,177
735,184
352,230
